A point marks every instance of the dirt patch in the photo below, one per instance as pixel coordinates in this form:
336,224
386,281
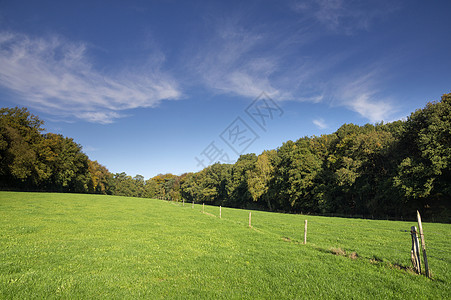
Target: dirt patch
338,251
408,269
286,239
341,252
211,215
375,260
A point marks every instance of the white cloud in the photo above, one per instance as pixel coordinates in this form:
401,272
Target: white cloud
370,108
56,76
320,123
247,62
360,95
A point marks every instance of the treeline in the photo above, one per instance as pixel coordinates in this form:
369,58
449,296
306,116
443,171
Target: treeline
33,160
372,170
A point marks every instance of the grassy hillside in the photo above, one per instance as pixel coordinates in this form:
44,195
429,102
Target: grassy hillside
92,246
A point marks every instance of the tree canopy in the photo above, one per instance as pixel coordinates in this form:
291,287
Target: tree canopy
373,170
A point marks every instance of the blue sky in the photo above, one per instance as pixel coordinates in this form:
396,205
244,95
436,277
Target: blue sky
150,87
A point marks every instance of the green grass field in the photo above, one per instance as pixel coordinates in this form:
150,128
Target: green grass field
92,246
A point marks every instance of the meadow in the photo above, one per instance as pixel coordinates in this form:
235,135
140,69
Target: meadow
94,246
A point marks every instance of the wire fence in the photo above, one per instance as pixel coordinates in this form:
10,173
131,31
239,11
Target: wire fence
330,232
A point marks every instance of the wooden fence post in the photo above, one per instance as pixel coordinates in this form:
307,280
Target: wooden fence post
423,246
415,252
250,217
183,202
220,211
305,232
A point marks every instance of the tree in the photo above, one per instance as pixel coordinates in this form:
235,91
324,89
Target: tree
213,181
123,185
295,175
32,160
189,187
20,132
68,164
424,173
237,188
101,178
259,177
381,169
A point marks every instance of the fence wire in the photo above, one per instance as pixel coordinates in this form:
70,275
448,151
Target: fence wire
339,232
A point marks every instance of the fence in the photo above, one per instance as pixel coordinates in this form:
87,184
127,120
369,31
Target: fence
376,240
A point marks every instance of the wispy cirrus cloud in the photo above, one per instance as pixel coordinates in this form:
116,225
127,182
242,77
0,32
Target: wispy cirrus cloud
235,57
359,93
55,76
346,16
231,61
245,61
370,107
320,123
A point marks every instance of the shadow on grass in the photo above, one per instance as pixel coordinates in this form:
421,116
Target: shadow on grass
374,260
